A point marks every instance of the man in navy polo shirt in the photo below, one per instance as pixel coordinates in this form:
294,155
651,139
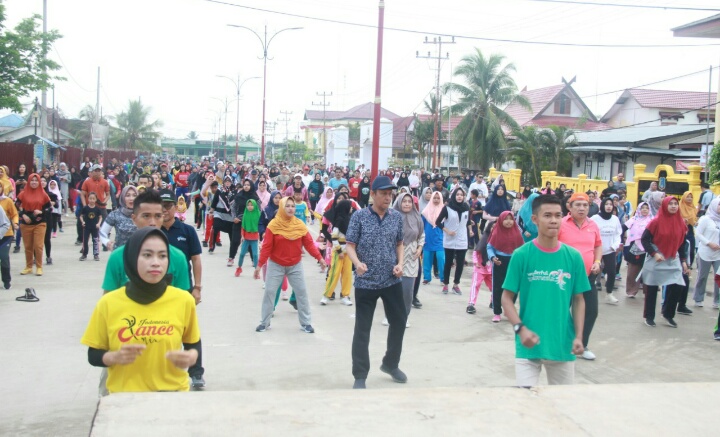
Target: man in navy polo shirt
375,247
184,237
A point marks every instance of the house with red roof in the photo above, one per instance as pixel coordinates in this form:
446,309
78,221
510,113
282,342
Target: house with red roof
643,107
557,105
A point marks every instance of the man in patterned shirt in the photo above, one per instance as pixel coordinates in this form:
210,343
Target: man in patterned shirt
375,247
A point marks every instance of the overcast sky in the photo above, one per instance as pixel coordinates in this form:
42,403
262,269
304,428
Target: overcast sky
168,52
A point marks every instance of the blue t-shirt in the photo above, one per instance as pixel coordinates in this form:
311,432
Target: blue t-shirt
335,183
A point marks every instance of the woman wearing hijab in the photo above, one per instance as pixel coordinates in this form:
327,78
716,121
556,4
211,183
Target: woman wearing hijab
413,241
326,197
633,251
688,210
315,192
247,192
414,182
503,241
454,220
433,250
146,333
364,192
496,204
524,219
285,237
63,176
50,220
666,262
708,256
610,233
609,190
34,207
8,207
269,212
56,219
403,181
7,184
340,264
424,198
263,194
120,219
654,201
250,234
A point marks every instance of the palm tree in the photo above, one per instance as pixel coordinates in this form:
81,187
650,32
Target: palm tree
135,132
489,88
528,152
192,135
249,138
556,139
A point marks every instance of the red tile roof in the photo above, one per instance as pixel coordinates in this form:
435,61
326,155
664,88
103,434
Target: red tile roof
364,111
444,125
400,126
671,99
571,122
538,98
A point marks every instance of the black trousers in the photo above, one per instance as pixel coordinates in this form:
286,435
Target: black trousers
498,277
197,368
365,303
219,225
416,287
198,212
48,234
458,255
591,309
235,239
610,270
673,295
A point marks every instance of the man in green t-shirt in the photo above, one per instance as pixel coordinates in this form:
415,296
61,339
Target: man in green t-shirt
147,211
549,278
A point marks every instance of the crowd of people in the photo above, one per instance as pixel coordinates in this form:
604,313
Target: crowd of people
379,238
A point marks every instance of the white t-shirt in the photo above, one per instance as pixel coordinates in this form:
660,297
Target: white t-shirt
482,189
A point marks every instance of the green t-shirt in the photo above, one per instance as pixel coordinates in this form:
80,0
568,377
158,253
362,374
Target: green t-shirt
115,276
546,282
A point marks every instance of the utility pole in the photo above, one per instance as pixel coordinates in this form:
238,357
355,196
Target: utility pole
324,105
436,116
286,120
43,95
270,130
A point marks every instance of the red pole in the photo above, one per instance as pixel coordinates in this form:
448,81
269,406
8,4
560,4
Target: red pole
378,78
262,141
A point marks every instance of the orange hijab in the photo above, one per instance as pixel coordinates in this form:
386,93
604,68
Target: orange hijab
32,199
687,210
286,225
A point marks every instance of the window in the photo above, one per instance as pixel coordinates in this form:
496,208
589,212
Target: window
562,105
600,170
622,167
588,167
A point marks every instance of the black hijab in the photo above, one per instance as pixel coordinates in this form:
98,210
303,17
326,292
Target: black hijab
403,180
459,207
602,213
341,215
497,203
330,213
136,288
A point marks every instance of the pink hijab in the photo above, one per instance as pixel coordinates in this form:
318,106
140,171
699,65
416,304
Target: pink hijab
432,211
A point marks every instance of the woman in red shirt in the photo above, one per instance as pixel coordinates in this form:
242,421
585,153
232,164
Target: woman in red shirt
181,183
282,246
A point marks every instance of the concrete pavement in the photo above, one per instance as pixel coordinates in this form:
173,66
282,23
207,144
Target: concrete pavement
50,389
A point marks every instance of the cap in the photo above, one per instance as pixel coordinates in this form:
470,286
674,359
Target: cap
96,167
254,172
382,183
167,196
579,196
298,175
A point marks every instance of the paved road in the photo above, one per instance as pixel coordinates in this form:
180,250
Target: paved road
50,389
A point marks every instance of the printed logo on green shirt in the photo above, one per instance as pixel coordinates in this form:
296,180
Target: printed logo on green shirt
557,276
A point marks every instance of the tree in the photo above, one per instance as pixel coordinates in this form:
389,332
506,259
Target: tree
713,164
24,65
134,130
192,135
248,138
556,139
489,87
422,138
528,152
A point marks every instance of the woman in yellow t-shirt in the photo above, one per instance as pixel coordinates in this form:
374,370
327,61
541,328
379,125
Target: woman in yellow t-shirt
145,333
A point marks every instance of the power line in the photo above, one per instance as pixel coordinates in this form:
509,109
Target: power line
68,72
648,84
476,38
625,5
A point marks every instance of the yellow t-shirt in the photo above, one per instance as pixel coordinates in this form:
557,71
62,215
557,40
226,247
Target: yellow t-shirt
162,326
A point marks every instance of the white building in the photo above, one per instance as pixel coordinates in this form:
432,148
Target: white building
660,108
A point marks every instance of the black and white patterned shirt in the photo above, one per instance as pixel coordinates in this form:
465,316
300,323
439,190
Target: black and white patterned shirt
376,241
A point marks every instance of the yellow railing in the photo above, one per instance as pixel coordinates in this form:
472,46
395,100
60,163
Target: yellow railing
513,178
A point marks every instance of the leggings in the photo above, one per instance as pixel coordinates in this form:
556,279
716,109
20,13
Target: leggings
56,222
198,212
610,264
591,310
459,256
48,234
498,277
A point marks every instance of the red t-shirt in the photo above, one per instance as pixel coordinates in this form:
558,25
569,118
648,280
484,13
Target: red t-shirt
181,179
354,187
99,187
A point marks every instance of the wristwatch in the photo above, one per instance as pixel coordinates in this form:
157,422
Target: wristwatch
517,327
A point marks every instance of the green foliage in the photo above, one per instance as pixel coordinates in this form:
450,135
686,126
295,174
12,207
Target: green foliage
24,65
134,131
537,149
713,165
423,138
192,135
488,87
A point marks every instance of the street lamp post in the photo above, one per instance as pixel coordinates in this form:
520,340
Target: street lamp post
265,42
238,86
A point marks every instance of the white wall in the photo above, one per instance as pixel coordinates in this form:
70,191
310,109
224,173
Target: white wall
632,113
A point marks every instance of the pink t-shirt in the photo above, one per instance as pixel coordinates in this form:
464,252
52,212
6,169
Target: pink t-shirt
584,239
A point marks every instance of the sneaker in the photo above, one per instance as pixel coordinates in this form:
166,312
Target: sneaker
238,271
630,296
445,289
588,355
17,248
211,251
324,301
385,322
307,328
105,249
496,318
83,258
205,244
62,231
48,261
54,234
416,303
684,310
425,282
618,277
332,297
407,323
396,374
699,304
346,301
456,290
261,328
230,262
717,336
650,323
670,322
609,298
38,271
96,257
197,381
78,243
470,309
218,244
359,384
284,294
715,306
